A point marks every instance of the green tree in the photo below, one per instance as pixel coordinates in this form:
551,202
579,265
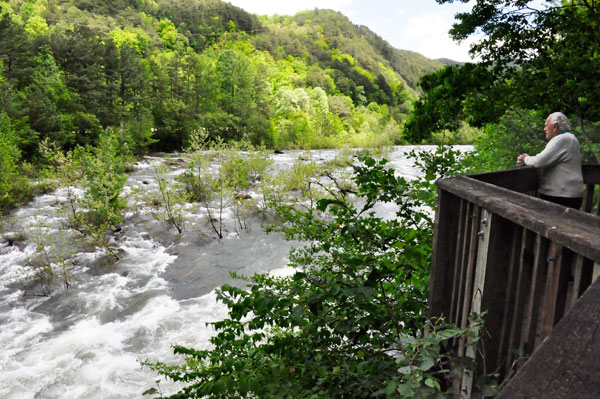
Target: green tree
9,163
103,177
540,57
48,100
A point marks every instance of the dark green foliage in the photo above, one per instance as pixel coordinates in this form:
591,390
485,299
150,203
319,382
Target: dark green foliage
535,57
517,132
13,186
452,95
203,22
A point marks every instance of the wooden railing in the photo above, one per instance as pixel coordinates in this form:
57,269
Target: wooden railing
526,263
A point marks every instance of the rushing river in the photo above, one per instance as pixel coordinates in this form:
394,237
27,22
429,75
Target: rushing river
88,341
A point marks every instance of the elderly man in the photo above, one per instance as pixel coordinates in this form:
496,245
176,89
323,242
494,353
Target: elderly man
561,181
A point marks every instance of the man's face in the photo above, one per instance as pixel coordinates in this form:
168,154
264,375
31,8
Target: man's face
550,129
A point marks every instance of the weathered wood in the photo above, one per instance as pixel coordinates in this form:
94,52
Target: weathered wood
588,202
479,286
564,283
522,180
570,228
566,365
494,301
510,303
469,277
578,276
596,272
463,266
526,270
443,254
548,309
526,261
538,281
462,220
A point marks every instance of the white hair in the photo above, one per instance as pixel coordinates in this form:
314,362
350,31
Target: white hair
558,118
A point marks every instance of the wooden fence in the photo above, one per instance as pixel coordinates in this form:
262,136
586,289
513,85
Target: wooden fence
526,263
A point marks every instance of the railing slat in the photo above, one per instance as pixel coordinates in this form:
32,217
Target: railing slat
460,237
523,290
475,304
596,273
547,313
527,344
511,305
577,281
589,198
462,266
470,258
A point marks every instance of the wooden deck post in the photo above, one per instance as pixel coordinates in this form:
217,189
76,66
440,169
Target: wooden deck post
442,262
489,293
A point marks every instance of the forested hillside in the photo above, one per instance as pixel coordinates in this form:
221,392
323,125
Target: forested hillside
155,71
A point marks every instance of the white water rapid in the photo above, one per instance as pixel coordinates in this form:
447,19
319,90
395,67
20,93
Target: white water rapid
88,341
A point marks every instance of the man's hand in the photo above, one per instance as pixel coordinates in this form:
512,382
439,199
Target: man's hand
521,159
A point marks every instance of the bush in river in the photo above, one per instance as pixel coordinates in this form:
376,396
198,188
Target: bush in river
100,171
220,174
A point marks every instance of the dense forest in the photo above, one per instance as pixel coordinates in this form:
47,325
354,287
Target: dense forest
157,70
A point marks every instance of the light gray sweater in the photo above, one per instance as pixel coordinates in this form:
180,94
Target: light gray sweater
561,163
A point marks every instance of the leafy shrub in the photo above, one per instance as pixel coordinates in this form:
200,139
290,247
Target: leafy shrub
14,187
349,322
170,201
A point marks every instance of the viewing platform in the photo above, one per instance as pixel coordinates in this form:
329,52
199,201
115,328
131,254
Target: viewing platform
532,266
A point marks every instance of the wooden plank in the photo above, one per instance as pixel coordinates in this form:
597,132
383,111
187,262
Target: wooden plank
596,272
577,282
443,254
462,266
494,299
469,275
538,281
568,227
526,262
566,365
478,293
522,180
510,305
548,309
589,198
462,220
565,281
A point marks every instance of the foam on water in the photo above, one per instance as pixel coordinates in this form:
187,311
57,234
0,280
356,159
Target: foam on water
89,341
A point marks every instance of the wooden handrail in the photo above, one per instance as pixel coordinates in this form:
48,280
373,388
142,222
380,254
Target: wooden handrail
522,260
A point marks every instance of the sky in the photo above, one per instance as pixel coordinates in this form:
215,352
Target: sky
417,25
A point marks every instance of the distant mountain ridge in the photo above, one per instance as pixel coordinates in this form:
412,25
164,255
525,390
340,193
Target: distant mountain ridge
449,62
368,48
